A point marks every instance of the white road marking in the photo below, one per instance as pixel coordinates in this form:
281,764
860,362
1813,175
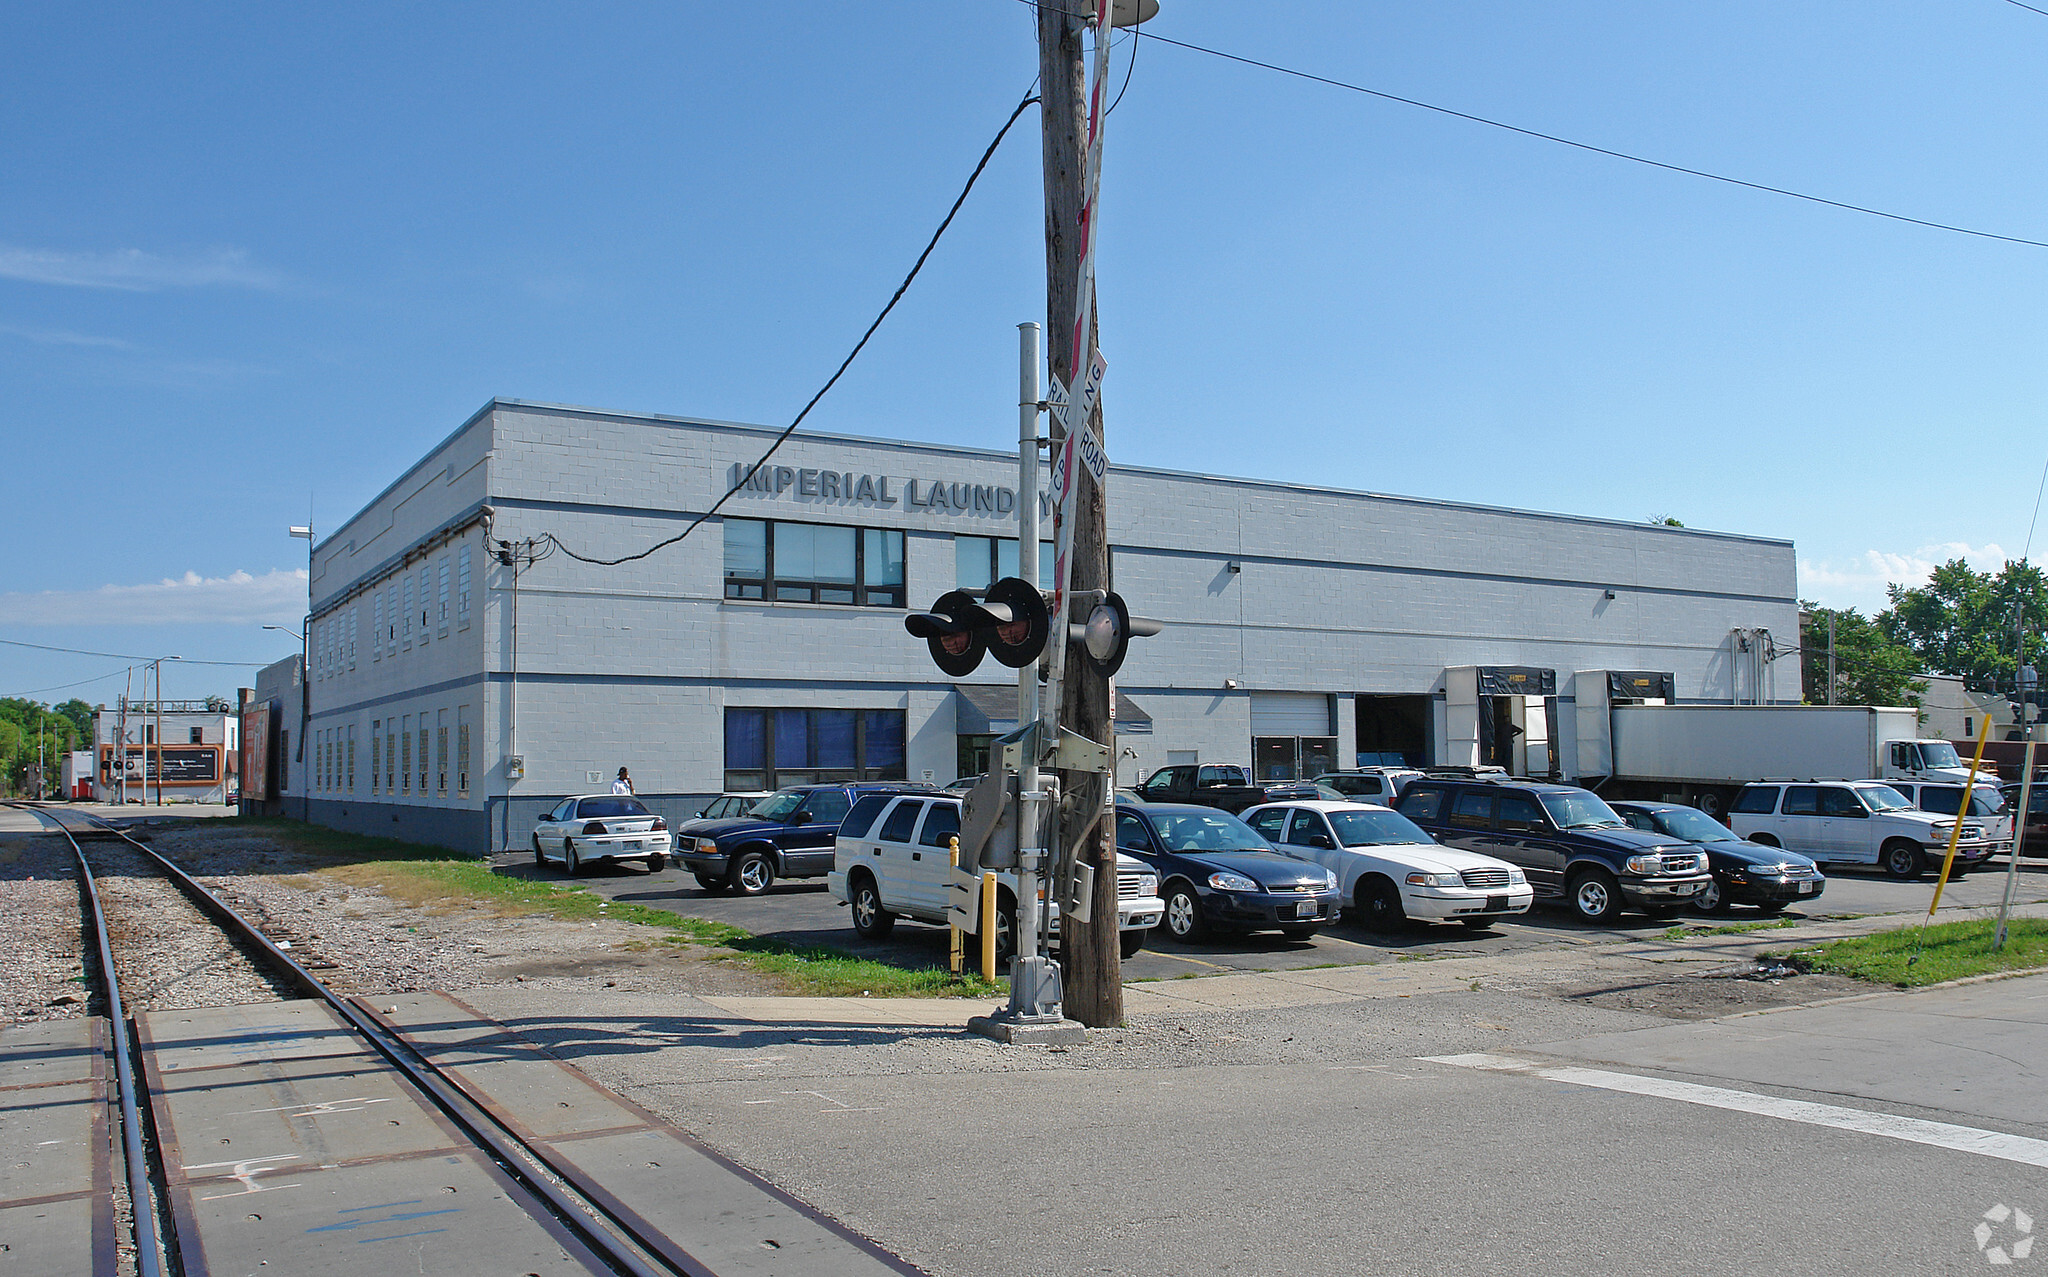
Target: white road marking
1962,1139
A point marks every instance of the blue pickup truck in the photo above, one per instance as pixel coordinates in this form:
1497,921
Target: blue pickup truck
789,834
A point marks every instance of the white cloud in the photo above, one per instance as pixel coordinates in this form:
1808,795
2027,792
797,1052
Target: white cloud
60,337
134,270
1860,583
278,597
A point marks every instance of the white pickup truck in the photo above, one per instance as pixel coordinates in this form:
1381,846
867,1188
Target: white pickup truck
1857,822
891,862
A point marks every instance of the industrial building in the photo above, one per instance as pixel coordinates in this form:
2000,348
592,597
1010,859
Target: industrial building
165,752
453,696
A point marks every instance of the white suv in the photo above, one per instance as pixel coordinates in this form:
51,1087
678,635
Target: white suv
891,862
1855,822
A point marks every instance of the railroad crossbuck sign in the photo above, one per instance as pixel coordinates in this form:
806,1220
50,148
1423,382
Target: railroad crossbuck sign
1081,441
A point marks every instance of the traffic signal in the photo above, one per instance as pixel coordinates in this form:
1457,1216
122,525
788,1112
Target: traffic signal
1011,624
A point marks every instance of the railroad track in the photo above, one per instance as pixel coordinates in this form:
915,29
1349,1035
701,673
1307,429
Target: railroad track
409,1123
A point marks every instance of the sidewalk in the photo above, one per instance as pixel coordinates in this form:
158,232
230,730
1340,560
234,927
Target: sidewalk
1273,990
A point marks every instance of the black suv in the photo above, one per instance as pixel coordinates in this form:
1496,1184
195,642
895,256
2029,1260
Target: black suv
789,834
1572,845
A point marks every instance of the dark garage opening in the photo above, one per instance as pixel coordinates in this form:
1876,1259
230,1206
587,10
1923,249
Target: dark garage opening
1393,730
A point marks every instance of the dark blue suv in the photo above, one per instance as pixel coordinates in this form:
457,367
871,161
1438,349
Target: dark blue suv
1570,843
789,834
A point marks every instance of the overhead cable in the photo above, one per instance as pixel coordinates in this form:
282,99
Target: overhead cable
553,542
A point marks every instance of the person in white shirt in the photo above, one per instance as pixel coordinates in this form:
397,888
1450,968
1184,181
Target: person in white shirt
624,784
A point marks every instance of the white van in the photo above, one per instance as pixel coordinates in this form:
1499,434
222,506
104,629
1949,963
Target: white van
891,861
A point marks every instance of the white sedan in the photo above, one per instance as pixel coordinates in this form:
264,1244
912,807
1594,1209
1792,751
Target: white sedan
1389,869
592,827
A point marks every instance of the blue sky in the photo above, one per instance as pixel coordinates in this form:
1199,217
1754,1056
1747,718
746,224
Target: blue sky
254,261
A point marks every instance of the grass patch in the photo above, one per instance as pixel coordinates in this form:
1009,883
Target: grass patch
1683,932
430,879
1947,951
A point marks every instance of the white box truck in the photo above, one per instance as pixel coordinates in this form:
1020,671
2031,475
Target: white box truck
1702,755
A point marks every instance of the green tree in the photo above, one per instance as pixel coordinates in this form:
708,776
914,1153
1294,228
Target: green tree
79,715
1870,667
1961,621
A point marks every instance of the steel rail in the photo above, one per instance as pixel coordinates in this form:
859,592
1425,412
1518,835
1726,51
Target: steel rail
512,1152
141,1194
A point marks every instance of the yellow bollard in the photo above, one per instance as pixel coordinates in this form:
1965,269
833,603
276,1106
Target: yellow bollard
953,862
1962,813
988,927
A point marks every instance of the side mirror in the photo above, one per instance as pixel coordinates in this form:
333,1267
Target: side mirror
1324,841
800,818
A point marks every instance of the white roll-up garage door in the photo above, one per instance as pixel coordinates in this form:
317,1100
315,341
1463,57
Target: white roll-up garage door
1291,714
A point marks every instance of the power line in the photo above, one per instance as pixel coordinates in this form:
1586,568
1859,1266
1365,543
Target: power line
99,678
1588,146
2029,8
554,543
123,656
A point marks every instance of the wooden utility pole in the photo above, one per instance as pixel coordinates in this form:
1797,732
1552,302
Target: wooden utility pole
1094,975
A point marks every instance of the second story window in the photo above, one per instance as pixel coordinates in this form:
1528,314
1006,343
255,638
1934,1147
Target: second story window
979,562
813,563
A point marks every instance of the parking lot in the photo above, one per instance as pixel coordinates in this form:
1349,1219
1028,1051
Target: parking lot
802,912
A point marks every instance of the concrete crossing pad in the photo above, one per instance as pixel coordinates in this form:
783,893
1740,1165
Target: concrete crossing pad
56,1150
712,1211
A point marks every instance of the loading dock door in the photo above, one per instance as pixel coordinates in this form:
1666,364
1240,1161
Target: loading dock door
1393,731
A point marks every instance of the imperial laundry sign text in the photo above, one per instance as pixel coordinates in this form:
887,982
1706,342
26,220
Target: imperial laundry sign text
851,488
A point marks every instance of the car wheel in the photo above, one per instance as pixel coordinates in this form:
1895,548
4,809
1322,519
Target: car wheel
1299,933
571,863
1478,924
1129,943
656,863
1183,914
1903,859
1711,898
714,886
870,920
1714,805
1595,897
752,874
1379,902
540,858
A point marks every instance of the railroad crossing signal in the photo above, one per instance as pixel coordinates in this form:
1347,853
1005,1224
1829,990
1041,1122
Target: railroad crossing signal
1011,625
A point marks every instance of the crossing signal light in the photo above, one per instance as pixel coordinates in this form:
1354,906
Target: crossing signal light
1011,624
1105,637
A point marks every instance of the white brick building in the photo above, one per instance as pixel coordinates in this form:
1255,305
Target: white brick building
1306,626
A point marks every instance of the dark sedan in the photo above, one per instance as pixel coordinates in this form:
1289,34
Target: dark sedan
1216,874
1744,872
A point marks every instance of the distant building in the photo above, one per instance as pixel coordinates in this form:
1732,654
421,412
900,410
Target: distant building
454,699
168,751
273,728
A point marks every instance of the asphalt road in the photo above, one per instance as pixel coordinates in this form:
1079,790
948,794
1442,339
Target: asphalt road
803,912
1457,1133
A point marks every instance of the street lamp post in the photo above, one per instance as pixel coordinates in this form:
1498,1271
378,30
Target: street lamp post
305,676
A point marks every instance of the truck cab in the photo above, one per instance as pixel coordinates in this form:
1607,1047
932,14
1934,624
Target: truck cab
1223,785
1931,760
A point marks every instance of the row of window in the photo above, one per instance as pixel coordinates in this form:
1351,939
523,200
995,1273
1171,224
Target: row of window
825,563
410,608
412,755
771,748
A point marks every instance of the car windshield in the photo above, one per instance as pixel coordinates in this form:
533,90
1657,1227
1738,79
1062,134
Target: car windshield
1883,798
1581,811
1693,826
1375,828
777,805
1204,831
611,807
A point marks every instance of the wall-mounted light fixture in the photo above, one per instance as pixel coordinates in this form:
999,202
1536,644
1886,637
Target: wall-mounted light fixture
1230,684
1608,595
1233,567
